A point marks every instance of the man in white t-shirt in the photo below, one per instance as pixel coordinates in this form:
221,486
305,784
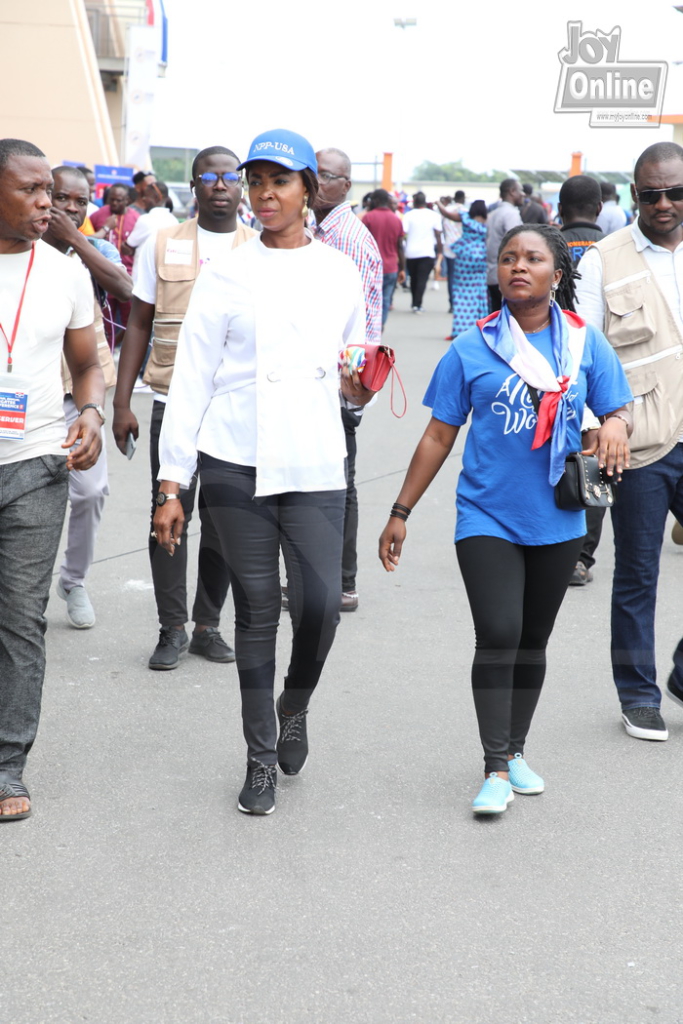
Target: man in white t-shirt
167,270
46,309
422,228
148,226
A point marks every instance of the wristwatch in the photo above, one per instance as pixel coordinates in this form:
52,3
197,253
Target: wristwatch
162,498
98,409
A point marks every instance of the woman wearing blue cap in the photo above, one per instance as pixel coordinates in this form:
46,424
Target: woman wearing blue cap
255,404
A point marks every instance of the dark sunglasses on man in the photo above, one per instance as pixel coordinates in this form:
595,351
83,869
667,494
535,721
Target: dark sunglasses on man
650,196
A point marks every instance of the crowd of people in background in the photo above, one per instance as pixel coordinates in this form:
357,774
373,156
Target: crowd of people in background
260,296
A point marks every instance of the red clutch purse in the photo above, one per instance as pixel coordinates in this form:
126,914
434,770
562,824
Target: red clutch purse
380,361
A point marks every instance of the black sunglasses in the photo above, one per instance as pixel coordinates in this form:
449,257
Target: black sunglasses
228,178
650,196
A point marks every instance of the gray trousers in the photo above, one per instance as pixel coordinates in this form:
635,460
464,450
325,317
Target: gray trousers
87,490
32,506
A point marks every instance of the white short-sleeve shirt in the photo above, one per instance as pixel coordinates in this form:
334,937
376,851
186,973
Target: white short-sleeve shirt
58,297
419,226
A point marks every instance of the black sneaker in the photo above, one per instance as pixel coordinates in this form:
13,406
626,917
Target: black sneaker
674,691
210,645
258,792
292,744
645,724
172,643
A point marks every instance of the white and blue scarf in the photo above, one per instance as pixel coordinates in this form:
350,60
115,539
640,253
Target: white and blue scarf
505,337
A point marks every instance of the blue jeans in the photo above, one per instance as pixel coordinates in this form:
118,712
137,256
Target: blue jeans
32,505
388,286
644,499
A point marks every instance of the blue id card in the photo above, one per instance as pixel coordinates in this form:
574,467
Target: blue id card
13,404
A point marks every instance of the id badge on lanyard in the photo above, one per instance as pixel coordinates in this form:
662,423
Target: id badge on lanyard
13,388
13,405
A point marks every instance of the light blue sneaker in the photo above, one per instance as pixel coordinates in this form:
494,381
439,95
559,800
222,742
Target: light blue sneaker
494,796
522,779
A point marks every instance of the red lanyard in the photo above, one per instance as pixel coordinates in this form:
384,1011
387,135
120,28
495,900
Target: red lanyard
10,343
116,234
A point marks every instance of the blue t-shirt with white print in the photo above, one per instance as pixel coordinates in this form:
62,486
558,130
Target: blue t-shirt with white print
503,489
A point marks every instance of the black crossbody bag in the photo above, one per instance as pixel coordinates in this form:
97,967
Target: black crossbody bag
583,484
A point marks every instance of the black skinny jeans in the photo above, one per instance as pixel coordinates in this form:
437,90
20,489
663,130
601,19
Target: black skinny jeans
351,421
308,527
169,575
594,520
419,270
515,593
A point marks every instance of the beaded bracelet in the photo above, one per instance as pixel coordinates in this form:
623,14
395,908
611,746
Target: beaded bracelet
618,416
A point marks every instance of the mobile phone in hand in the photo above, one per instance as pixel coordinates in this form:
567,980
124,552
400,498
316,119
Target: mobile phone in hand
130,445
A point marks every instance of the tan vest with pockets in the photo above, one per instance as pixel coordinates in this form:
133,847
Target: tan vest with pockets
175,282
644,334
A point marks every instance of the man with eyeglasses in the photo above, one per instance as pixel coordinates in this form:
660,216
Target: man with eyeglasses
167,270
338,226
631,287
158,216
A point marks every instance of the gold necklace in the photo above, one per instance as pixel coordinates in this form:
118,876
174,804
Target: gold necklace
539,329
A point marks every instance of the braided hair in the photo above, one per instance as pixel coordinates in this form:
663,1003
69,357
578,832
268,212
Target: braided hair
566,291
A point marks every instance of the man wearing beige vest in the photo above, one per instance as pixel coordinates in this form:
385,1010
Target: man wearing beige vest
168,268
631,287
87,488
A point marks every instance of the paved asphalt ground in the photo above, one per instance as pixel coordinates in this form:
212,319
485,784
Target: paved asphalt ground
137,894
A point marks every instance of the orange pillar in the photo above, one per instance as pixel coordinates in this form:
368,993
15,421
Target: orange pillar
387,176
576,164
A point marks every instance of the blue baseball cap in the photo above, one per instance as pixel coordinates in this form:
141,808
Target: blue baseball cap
282,147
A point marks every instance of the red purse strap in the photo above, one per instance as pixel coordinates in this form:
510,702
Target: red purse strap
395,373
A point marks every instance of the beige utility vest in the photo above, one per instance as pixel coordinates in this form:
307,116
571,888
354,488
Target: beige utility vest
644,334
175,281
103,352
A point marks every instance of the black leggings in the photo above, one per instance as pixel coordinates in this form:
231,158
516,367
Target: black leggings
308,528
515,593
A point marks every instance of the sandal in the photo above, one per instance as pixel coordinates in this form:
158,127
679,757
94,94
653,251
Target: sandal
13,788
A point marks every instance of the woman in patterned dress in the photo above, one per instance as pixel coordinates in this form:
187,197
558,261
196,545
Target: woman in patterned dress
470,297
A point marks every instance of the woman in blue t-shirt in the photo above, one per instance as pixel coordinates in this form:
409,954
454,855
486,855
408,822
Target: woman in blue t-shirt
509,530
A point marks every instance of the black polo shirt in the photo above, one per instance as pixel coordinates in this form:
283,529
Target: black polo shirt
579,236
